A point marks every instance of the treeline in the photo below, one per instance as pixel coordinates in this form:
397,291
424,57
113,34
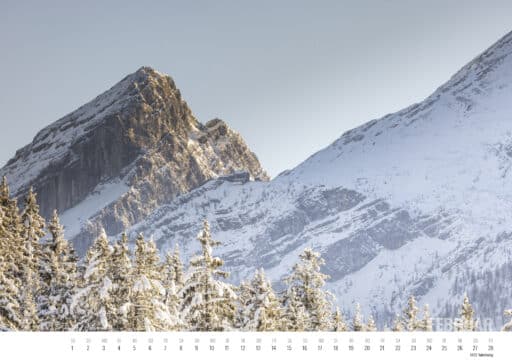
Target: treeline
44,287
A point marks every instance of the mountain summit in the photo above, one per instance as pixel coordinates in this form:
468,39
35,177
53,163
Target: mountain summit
115,159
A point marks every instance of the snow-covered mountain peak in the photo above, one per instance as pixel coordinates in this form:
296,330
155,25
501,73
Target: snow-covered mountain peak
120,155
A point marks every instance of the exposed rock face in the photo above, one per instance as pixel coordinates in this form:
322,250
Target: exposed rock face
139,134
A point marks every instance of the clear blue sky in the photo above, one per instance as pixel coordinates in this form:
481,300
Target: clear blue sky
290,76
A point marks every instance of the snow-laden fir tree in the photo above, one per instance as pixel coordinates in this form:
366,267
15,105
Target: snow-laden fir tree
9,307
13,244
120,273
307,282
426,322
466,322
149,311
411,315
9,304
294,314
243,292
173,268
357,322
11,219
207,303
92,304
339,324
58,280
261,310
29,315
173,282
507,327
370,325
30,231
398,325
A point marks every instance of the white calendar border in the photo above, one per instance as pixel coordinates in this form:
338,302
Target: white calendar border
296,346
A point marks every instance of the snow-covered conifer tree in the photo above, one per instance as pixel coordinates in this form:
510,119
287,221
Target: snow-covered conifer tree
173,269
11,217
507,327
13,245
339,324
9,306
426,322
466,321
208,304
150,313
120,272
398,325
92,304
173,282
294,314
410,315
58,280
370,325
29,315
32,229
261,310
307,282
357,323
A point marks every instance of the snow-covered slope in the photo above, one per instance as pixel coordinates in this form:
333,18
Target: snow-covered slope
117,158
417,202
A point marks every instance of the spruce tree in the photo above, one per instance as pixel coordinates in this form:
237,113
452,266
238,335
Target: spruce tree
357,323
120,272
294,314
29,315
398,325
92,304
307,282
466,321
9,303
32,229
339,324
173,269
150,313
173,282
243,292
370,325
58,280
208,304
507,327
13,244
9,307
426,322
410,315
261,310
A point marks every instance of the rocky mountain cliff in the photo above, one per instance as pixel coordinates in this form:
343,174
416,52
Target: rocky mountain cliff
117,158
417,202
